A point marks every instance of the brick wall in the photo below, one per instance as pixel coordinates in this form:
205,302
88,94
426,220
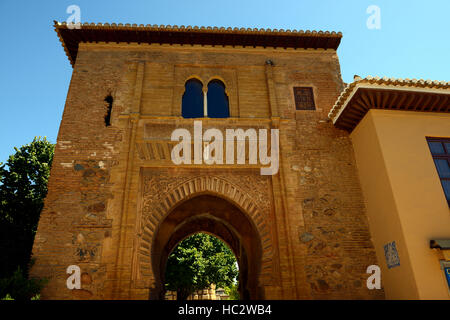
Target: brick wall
319,230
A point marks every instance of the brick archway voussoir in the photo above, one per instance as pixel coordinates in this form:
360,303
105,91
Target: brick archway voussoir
189,189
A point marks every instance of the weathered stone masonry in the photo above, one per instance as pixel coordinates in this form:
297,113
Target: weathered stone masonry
112,187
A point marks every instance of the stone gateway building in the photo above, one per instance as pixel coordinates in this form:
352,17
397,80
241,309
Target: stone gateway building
117,203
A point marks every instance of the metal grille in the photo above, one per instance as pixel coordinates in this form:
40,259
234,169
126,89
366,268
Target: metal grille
304,98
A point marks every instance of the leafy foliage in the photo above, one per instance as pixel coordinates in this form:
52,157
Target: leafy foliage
232,292
197,262
19,287
23,187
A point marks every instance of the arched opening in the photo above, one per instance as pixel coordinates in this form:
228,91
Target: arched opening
218,106
201,267
192,105
219,217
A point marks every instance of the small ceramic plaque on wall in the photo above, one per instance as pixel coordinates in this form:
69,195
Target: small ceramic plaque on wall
391,254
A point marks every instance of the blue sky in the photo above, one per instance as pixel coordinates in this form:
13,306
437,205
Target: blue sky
413,42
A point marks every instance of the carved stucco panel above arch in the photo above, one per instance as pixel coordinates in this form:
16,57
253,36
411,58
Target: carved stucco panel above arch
163,189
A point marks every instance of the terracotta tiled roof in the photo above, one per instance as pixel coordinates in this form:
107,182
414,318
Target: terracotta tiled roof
105,32
382,93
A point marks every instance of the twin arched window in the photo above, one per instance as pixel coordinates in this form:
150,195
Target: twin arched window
194,104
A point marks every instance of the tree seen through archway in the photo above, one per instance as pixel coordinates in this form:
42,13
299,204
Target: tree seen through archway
199,261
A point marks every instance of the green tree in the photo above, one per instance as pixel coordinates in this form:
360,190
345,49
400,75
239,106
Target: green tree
197,262
19,287
232,292
23,187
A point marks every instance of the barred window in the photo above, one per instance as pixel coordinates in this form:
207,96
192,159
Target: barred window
304,98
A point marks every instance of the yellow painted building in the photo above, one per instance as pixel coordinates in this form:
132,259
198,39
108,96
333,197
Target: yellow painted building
400,130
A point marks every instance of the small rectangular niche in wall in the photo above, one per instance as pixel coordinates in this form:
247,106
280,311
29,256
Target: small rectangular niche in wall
304,98
109,100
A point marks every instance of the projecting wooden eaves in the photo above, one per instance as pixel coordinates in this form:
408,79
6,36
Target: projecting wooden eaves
214,36
390,94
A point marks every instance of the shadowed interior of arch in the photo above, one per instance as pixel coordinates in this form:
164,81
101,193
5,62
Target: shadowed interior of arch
217,100
192,101
216,216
